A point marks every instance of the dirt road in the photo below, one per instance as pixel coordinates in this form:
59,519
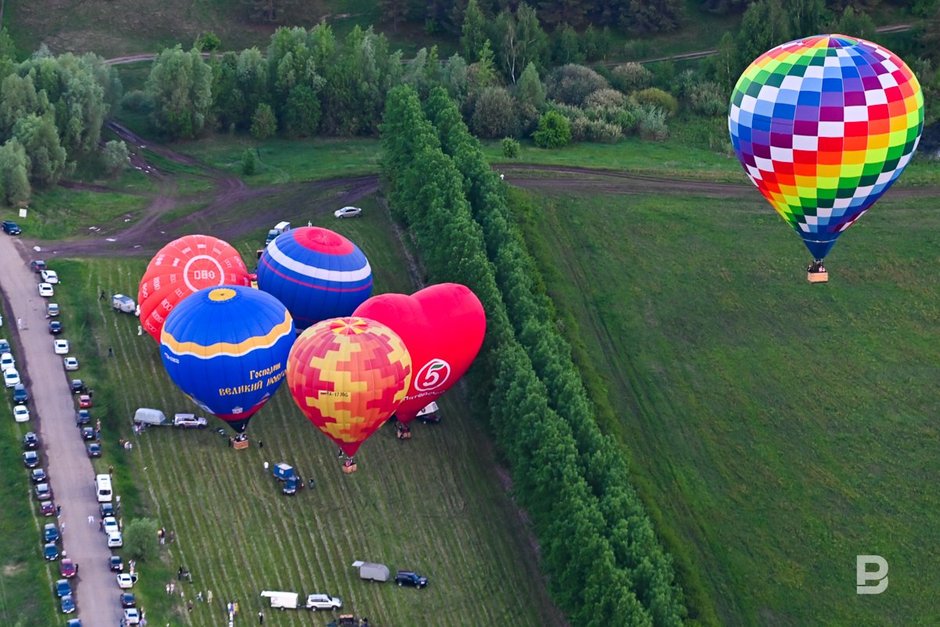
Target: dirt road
63,453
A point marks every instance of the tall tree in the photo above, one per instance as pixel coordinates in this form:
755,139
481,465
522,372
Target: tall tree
45,156
180,85
765,24
14,178
473,32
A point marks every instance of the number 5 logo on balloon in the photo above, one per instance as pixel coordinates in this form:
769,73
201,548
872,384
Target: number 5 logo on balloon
433,375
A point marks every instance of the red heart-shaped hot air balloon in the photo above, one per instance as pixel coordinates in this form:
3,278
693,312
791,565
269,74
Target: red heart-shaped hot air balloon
442,326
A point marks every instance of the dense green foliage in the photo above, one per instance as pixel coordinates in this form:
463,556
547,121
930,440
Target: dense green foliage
598,546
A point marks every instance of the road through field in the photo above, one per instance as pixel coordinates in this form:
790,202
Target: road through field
63,452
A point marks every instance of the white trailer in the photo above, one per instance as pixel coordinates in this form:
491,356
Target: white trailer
281,600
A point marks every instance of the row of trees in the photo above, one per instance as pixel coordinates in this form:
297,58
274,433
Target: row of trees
52,109
597,544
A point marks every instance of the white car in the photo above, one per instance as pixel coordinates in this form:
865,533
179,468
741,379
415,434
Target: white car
131,616
20,413
110,524
115,541
7,361
11,377
323,602
49,276
189,421
61,347
348,212
71,363
45,290
126,581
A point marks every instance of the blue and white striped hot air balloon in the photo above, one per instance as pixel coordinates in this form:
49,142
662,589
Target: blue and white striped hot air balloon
226,347
316,273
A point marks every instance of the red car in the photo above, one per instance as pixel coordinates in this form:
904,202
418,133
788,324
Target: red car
47,508
84,401
67,568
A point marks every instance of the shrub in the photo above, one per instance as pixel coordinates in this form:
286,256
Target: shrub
140,539
580,129
137,101
249,162
572,84
510,148
494,114
263,122
707,98
651,123
554,131
655,97
605,98
603,132
115,156
631,77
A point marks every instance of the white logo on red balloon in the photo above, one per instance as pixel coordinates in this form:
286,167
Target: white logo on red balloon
432,375
203,271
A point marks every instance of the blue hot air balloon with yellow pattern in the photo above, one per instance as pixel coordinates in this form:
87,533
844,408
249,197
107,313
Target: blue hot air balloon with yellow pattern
226,348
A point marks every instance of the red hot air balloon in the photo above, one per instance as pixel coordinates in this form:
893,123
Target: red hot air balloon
442,326
184,266
348,375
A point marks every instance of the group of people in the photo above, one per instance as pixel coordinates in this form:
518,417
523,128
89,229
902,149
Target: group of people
816,266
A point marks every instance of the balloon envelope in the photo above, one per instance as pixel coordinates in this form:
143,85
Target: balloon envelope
316,273
184,266
442,326
348,375
227,348
823,126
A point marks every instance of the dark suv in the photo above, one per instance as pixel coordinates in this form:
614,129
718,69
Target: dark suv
410,578
11,228
20,395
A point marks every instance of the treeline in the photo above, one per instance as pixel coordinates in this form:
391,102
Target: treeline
51,112
604,563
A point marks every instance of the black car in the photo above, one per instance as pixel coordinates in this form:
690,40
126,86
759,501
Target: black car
37,265
82,417
106,509
128,599
11,228
115,563
20,395
30,441
88,433
78,386
30,459
39,475
43,492
55,327
410,578
94,449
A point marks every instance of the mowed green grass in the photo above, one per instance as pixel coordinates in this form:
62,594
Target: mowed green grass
777,429
436,504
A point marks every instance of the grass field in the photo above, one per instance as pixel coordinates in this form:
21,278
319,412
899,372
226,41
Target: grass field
777,429
436,504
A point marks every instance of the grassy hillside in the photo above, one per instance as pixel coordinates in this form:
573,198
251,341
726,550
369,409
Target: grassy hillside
777,429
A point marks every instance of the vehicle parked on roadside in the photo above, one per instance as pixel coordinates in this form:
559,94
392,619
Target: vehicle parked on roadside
11,377
30,459
49,276
37,265
47,508
128,599
38,475
115,540
109,524
46,291
77,386
20,395
60,347
7,360
52,309
4,346
68,604
62,588
88,433
131,616
55,327
70,363
30,440
50,551
82,418
50,533
115,564
20,413
84,401
67,568
43,491
126,581
93,449
11,228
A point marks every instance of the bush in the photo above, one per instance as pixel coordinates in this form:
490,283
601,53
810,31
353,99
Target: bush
651,123
572,84
510,148
631,77
655,97
580,129
708,98
249,162
140,539
554,131
494,114
603,132
137,101
263,122
115,156
604,98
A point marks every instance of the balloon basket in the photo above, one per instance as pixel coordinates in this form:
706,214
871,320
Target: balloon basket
403,435
240,444
350,469
817,277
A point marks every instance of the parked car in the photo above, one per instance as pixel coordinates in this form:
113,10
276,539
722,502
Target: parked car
37,265
20,413
38,475
84,401
50,551
47,508
348,212
11,377
20,395
49,276
126,581
189,421
46,291
67,568
77,386
93,449
11,228
131,616
88,433
62,588
52,310
106,509
70,363
128,599
74,622
82,417
30,459
68,604
50,533
60,347
410,578
319,601
115,564
7,361
115,540
43,491
30,440
4,346
55,327
120,302
109,524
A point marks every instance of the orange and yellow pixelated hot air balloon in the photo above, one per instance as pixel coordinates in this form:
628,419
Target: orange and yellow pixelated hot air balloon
348,375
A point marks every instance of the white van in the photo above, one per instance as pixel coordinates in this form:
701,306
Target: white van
103,488
281,600
280,227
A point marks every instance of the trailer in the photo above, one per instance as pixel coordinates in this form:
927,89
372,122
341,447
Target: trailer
281,600
371,571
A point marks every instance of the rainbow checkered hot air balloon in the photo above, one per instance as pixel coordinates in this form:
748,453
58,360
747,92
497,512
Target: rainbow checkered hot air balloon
227,348
316,273
348,375
823,126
